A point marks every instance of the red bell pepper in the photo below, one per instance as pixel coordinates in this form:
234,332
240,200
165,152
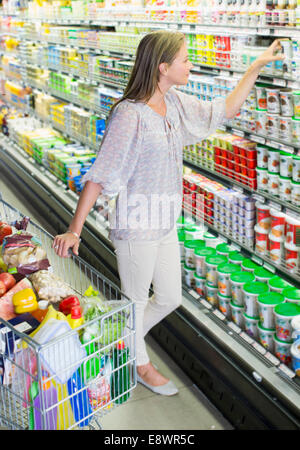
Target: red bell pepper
67,304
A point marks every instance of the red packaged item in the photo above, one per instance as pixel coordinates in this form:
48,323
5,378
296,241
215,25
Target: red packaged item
68,303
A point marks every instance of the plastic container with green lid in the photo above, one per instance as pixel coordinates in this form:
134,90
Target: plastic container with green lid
193,232
224,271
248,265
210,240
212,262
266,304
282,350
200,285
181,239
251,293
223,249
200,255
237,314
189,249
251,326
291,295
284,313
263,275
266,336
184,222
211,294
235,258
277,284
189,276
237,281
224,305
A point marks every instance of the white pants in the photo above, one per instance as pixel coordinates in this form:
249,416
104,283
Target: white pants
139,264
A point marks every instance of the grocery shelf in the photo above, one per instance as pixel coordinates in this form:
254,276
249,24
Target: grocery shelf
255,390
259,194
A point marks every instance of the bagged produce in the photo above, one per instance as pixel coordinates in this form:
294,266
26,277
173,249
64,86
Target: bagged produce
50,286
23,251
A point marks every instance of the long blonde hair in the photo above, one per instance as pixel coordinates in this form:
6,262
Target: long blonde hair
154,48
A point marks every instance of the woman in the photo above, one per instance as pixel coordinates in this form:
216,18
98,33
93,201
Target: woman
140,163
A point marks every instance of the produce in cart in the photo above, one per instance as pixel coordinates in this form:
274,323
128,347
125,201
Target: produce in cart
50,286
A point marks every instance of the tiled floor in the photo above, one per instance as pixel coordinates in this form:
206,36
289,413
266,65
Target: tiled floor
188,410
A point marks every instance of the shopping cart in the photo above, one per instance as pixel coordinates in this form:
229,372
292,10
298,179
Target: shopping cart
70,380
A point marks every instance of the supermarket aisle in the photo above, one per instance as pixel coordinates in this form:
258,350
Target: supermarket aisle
189,410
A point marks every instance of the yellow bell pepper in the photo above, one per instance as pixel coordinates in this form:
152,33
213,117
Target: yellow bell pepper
24,301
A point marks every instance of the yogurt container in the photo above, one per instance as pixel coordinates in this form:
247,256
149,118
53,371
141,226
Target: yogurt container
212,262
248,265
296,130
237,314
200,255
223,249
276,249
210,240
296,101
266,337
295,195
273,160
292,227
272,125
261,240
296,168
286,164
193,232
277,284
273,103
262,179
189,276
224,305
273,183
285,128
266,304
263,216
235,258
285,188
282,350
238,280
261,96
181,239
260,121
200,283
291,257
284,313
263,275
224,272
295,354
189,251
211,294
295,324
277,223
291,295
262,157
251,293
251,326
286,102
184,222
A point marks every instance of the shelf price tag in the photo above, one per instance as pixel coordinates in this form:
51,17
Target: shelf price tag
264,31
269,268
234,327
238,132
279,82
194,294
287,148
258,197
206,304
259,348
246,337
272,359
287,371
218,313
275,205
258,139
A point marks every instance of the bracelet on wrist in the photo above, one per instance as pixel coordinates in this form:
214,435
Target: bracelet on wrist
75,234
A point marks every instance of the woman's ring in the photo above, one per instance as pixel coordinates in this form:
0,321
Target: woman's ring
55,247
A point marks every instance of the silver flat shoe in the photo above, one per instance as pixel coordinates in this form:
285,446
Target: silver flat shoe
166,389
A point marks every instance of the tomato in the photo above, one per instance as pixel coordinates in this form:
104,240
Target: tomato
2,288
5,230
8,280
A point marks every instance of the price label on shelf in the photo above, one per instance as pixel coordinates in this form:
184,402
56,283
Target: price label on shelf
258,197
258,139
185,28
275,205
246,337
264,31
194,294
287,149
206,304
238,132
222,128
173,26
291,212
218,313
279,82
259,348
272,359
287,371
234,327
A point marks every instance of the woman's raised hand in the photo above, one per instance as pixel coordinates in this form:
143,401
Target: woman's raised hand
270,54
